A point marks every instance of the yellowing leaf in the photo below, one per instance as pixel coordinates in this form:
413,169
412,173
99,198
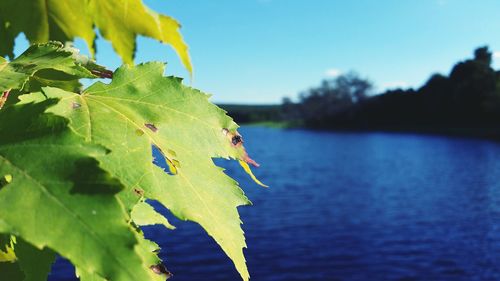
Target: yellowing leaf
247,169
8,255
121,21
118,21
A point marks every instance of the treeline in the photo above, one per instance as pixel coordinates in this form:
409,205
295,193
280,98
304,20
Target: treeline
245,114
468,99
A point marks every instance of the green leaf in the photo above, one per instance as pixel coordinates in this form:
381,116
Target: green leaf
117,20
44,20
25,262
10,271
7,253
18,16
146,249
121,21
7,39
34,263
58,196
49,64
141,108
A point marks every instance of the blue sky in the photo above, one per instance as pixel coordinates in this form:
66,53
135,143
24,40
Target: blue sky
258,51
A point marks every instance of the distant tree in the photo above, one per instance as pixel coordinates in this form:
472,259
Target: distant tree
473,84
353,86
482,54
319,106
289,109
469,97
436,96
437,84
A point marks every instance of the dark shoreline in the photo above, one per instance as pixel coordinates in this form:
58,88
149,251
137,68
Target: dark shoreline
492,134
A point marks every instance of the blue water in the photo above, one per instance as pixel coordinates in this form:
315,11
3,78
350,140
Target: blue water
353,206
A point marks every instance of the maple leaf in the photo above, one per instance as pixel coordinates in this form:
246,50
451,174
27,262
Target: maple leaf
29,263
118,21
58,197
141,108
49,64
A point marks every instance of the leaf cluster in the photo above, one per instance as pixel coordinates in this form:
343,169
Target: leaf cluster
118,21
76,165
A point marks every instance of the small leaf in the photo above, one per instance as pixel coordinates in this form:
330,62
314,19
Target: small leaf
249,172
7,253
144,214
49,64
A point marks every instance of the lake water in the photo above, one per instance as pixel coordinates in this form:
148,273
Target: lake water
353,206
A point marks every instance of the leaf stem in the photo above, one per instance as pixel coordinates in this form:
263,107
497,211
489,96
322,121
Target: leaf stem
4,97
103,73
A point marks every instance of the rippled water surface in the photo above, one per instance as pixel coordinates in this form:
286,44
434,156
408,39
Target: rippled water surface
351,206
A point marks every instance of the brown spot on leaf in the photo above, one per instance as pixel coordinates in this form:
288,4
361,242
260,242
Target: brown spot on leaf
236,139
75,105
139,192
151,127
160,269
102,73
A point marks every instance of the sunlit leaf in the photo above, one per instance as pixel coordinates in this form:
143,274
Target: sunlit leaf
49,64
141,108
7,253
145,214
60,198
117,20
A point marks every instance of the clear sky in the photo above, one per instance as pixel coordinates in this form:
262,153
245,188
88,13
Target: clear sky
258,51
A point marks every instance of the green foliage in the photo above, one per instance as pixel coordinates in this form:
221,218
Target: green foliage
464,102
66,199
33,263
46,65
118,21
252,114
319,105
11,271
76,164
79,166
141,108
